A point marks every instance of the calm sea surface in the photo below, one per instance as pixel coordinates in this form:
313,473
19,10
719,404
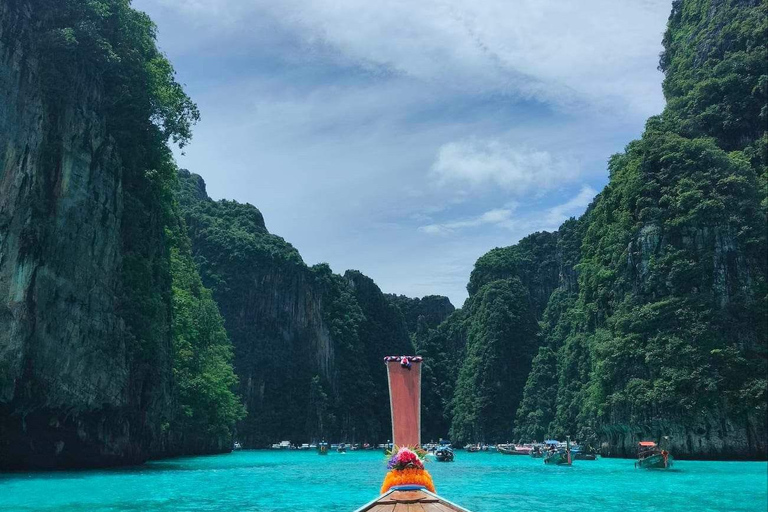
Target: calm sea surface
305,481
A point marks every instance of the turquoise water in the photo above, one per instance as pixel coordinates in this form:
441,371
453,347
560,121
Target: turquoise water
304,481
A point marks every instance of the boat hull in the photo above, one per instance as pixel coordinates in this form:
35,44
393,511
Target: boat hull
558,459
416,499
510,451
656,461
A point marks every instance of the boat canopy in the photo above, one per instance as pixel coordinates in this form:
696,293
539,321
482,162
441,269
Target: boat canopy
551,441
647,443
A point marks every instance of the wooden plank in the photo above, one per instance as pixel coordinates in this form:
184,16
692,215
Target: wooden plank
437,507
382,508
411,501
408,497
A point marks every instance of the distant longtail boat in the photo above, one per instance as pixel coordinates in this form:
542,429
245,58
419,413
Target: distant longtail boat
407,486
651,456
560,457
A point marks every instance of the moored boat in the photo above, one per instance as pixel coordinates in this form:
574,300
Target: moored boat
559,456
509,449
651,456
444,454
322,448
407,485
583,452
523,449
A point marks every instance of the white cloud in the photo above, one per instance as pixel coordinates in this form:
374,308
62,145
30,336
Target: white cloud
498,217
480,163
574,207
531,220
594,54
332,116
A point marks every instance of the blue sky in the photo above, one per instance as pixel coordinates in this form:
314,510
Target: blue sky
405,139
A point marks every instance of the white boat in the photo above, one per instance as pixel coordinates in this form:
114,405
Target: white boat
237,446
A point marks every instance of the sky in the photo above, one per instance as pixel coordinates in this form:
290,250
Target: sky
407,138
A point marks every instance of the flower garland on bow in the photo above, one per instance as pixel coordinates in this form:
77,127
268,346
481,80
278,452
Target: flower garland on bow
406,467
405,361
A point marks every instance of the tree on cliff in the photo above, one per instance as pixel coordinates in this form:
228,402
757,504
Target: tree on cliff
502,338
111,45
669,327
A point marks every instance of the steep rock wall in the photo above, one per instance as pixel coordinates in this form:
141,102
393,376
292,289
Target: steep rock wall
65,384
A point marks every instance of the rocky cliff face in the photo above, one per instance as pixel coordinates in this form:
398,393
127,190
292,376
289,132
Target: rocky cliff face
98,354
308,343
71,392
663,332
423,313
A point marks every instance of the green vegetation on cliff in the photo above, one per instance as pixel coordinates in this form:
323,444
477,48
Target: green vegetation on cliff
309,344
651,306
667,334
502,337
206,406
102,181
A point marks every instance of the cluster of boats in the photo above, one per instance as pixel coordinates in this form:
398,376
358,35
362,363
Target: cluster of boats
649,454
323,446
554,452
548,447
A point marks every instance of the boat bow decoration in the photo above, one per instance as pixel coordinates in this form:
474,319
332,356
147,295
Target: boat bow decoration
407,482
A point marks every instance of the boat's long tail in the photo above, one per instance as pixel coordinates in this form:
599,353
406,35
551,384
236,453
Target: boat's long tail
404,375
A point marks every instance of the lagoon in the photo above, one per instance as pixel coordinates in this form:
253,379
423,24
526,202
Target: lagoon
282,481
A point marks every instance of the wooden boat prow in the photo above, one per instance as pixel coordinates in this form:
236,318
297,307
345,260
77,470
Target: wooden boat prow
404,376
417,500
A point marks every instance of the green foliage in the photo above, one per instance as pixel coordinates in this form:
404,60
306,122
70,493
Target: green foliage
502,339
443,350
116,45
426,312
383,332
102,54
537,407
202,363
309,344
669,321
533,260
716,81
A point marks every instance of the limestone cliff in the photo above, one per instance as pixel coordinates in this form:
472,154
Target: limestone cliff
73,389
308,343
88,356
664,330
